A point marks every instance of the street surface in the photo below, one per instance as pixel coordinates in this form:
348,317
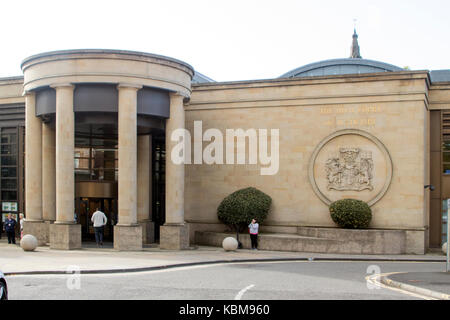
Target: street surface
247,281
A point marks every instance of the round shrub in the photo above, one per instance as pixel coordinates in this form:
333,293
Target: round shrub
351,214
239,208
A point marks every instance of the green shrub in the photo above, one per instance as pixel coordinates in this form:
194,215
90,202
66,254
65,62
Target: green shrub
239,208
351,214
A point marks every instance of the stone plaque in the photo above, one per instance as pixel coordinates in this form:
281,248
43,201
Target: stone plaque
350,163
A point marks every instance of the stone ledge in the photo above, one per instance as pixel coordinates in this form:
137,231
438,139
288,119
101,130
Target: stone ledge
316,240
372,241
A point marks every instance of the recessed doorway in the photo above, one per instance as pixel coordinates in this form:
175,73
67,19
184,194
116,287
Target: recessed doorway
86,208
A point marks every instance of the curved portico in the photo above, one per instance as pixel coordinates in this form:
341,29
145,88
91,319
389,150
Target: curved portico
121,98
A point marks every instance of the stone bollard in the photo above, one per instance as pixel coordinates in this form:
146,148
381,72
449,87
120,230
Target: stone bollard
229,244
28,242
444,248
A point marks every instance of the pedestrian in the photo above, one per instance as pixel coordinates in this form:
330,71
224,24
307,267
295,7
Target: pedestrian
1,226
21,225
10,228
99,219
253,229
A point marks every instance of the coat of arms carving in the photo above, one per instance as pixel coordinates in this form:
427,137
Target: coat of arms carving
350,170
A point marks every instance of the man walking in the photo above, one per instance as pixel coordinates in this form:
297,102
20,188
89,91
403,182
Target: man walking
99,220
254,226
10,228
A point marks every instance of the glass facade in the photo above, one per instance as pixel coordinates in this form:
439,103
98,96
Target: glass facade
445,143
159,182
9,164
12,171
96,159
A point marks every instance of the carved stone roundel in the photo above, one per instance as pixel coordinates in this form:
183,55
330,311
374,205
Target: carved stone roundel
350,163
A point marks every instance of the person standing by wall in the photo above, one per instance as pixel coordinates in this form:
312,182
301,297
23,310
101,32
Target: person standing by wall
253,229
99,220
10,228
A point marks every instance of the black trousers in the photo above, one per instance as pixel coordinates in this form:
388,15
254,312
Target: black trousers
11,237
99,234
254,240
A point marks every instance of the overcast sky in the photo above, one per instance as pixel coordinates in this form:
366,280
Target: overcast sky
231,39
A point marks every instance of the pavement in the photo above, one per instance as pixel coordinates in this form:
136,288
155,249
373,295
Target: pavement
92,260
435,285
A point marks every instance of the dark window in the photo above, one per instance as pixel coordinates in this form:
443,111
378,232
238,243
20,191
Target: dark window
9,184
446,156
11,165
9,160
9,195
9,138
9,149
446,149
9,172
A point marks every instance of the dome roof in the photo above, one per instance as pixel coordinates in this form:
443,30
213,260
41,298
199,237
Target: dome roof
201,78
339,67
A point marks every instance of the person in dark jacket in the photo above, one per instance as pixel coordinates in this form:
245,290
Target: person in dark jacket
10,228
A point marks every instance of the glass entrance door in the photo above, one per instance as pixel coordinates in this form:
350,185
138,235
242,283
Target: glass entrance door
87,207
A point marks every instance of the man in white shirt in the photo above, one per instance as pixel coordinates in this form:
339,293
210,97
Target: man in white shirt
99,220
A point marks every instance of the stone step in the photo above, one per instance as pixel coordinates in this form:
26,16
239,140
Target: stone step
351,234
372,241
267,241
305,243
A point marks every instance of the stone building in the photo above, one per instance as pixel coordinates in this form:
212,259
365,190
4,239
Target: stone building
88,129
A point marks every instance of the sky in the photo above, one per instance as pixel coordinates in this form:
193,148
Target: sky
231,40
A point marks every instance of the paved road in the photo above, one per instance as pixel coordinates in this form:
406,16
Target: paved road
254,281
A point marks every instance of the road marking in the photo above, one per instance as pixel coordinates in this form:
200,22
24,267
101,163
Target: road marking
241,293
375,280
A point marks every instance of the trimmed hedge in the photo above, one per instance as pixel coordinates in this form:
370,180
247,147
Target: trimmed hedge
351,214
239,208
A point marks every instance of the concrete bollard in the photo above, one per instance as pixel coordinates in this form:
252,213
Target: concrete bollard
28,242
229,244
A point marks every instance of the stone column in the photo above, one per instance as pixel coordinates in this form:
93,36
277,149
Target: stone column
128,233
65,233
144,182
33,223
174,233
48,177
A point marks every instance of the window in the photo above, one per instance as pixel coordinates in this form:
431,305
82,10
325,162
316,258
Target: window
9,164
445,129
96,159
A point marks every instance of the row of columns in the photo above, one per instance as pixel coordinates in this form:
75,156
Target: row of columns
50,179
